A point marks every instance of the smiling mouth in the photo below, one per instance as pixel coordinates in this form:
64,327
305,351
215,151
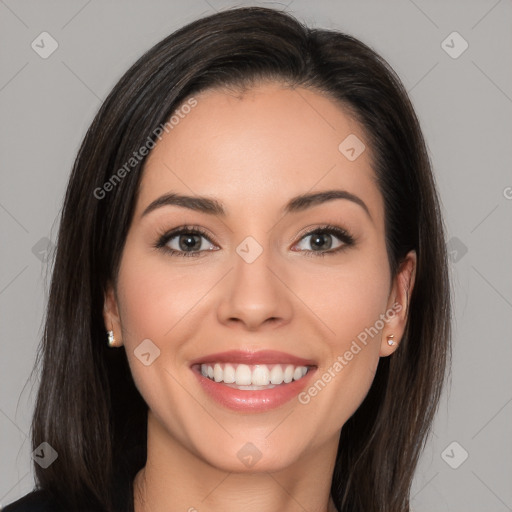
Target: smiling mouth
252,377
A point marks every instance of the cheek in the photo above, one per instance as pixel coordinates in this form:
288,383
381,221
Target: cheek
154,300
362,298
348,298
351,301
155,297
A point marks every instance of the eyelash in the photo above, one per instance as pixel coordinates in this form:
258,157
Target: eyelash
327,229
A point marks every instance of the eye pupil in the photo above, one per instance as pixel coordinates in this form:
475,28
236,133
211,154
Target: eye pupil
318,239
189,242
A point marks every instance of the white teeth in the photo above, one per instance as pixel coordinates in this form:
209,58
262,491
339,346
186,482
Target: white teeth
276,374
243,375
229,374
297,374
288,373
259,376
217,373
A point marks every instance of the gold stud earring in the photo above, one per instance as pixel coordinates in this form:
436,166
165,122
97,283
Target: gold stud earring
391,341
111,339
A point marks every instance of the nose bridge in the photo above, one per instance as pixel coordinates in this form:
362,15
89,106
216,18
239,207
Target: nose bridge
253,294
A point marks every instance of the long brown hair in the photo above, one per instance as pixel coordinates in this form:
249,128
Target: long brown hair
88,408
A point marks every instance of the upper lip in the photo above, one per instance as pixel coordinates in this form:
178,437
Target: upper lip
252,357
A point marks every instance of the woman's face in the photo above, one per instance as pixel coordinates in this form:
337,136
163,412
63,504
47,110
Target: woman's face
264,294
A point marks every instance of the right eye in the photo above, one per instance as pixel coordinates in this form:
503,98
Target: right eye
185,241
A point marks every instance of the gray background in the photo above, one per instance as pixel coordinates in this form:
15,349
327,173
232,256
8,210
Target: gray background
464,105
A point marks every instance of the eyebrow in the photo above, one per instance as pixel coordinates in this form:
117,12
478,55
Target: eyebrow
214,207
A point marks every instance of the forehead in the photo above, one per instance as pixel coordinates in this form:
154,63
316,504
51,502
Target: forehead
271,142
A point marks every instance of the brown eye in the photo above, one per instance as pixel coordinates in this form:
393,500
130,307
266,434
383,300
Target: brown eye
185,242
325,240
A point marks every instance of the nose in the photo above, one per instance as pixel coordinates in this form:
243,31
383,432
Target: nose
255,295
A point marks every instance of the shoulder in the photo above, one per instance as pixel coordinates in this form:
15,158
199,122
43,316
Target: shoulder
35,501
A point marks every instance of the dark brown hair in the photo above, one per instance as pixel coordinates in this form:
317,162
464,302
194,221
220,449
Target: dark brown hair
88,408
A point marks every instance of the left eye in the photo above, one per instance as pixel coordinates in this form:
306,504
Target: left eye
320,241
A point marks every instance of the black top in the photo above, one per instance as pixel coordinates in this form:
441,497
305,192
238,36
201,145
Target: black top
40,500
35,501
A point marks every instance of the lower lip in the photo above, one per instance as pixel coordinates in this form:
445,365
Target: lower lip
252,400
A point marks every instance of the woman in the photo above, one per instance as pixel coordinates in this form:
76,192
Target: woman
250,304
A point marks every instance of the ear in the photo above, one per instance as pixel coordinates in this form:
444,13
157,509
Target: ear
111,314
398,303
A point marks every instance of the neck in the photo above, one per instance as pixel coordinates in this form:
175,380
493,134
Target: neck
174,479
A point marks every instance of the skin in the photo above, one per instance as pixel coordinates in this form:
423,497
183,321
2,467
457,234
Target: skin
253,152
